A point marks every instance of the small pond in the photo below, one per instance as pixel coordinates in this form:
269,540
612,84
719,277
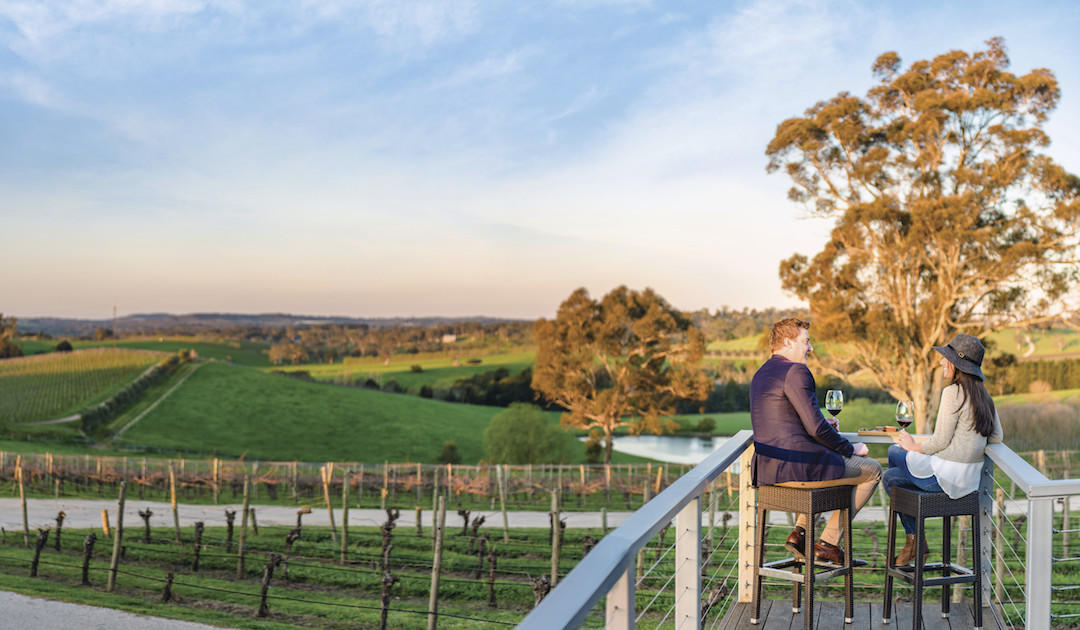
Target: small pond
668,448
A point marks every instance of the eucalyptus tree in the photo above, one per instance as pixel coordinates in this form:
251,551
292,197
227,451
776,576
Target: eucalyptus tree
948,218
622,361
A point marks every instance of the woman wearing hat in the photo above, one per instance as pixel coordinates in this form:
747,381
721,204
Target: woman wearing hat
951,460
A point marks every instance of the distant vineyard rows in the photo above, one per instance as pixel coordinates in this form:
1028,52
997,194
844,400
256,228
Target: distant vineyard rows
44,386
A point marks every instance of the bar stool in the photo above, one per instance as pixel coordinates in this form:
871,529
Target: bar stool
924,505
810,498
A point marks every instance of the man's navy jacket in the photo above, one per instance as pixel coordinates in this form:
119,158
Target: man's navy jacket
792,440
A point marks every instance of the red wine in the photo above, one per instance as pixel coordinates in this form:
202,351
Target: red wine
834,412
904,423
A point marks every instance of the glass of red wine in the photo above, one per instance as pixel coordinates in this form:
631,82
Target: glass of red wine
905,413
834,402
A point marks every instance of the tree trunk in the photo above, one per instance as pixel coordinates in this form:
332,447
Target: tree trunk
609,443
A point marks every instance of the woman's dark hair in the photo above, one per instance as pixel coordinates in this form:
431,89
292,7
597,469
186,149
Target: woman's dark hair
982,405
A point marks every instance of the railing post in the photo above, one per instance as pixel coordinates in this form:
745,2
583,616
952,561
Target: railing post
747,498
1038,562
986,529
688,566
620,602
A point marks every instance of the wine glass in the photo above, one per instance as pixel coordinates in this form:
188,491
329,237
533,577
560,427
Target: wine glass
905,413
834,401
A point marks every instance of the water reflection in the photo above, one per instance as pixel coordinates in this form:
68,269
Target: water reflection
667,448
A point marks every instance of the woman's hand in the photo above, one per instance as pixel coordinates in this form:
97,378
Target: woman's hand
907,442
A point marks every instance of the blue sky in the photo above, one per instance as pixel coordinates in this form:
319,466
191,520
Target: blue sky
434,158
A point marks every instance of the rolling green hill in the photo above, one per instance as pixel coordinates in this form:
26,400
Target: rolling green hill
232,411
232,350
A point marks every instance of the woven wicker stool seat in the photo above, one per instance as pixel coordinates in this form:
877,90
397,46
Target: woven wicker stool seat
923,505
810,499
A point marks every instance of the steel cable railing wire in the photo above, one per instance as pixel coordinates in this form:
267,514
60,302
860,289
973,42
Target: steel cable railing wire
645,573
1006,590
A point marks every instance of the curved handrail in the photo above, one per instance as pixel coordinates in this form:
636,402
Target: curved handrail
569,603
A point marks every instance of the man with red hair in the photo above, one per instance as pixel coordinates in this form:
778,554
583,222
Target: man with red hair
793,441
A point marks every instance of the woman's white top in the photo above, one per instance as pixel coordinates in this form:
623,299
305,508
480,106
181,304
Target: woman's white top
957,479
954,454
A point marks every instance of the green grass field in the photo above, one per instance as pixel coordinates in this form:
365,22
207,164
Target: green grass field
232,411
52,385
439,370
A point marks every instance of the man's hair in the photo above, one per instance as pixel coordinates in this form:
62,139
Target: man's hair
787,328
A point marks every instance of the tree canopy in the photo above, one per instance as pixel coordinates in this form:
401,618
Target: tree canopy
8,347
522,435
947,217
622,361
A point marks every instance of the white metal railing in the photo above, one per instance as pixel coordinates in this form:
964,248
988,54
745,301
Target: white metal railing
608,571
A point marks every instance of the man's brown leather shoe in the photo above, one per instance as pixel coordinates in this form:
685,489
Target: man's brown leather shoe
828,553
796,542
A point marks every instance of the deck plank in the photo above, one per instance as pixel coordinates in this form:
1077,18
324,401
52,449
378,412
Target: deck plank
831,616
744,622
779,616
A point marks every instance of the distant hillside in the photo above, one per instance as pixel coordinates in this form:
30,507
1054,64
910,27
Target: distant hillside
148,323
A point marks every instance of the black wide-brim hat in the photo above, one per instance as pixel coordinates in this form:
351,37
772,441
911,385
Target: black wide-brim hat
966,353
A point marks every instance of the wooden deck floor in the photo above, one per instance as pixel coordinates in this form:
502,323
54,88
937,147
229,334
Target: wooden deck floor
777,615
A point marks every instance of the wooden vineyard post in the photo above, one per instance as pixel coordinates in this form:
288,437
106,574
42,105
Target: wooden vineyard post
419,521
607,485
326,471
345,516
217,479
659,479
436,565
419,480
142,477
360,486
501,480
435,492
199,526
293,482
385,484
115,561
243,531
555,539
22,501
172,498
105,523
254,523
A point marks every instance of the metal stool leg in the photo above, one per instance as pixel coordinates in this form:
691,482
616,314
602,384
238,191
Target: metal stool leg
916,599
849,577
946,563
808,584
759,560
890,555
976,546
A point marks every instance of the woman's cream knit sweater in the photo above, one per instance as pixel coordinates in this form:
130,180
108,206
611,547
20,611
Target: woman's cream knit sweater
955,438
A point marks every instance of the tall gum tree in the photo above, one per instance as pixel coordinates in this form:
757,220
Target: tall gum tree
622,361
947,217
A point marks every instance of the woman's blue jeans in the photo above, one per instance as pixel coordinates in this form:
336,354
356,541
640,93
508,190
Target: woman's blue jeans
898,476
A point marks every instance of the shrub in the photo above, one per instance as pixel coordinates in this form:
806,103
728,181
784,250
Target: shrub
416,367
426,391
523,435
450,454
474,361
392,387
371,384
706,425
64,346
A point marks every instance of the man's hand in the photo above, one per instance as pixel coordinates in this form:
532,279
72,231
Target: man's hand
835,422
860,449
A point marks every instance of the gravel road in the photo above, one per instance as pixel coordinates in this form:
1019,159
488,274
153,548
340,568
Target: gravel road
21,612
